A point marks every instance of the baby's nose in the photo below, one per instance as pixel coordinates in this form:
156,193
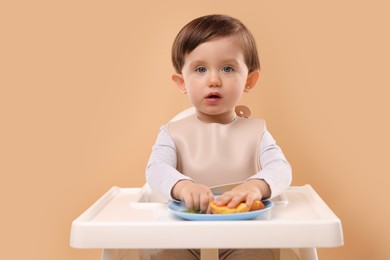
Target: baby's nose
214,80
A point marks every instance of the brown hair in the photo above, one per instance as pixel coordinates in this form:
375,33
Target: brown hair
207,28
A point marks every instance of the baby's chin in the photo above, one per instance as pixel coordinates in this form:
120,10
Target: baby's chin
217,118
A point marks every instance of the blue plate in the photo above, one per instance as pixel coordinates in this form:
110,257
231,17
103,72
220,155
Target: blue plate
178,208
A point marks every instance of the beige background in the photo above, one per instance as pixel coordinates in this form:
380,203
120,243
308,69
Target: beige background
85,86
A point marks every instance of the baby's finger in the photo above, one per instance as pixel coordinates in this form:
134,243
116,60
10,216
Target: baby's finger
251,197
249,200
196,201
188,201
211,198
204,201
223,199
236,199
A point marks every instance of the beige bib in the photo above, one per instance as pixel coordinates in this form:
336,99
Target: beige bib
216,154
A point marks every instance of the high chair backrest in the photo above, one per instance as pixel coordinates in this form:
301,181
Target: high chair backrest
183,114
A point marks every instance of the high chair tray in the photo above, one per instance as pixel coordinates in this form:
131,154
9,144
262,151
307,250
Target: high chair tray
137,218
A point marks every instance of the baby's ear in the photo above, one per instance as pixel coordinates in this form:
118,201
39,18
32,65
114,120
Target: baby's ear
179,80
251,80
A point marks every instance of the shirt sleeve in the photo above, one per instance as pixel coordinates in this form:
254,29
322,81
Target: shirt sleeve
275,169
161,173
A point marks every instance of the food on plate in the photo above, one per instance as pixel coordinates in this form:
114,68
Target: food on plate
242,207
257,205
194,211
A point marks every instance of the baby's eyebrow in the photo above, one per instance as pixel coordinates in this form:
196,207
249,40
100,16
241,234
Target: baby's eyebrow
230,61
195,63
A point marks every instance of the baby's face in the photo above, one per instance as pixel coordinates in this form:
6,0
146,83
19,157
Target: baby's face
215,75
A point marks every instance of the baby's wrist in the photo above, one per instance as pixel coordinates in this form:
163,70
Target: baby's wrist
263,187
178,187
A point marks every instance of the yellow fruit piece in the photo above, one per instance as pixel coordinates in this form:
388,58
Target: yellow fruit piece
257,205
242,207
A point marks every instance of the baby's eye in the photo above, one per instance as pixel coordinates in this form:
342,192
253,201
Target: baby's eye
201,69
227,69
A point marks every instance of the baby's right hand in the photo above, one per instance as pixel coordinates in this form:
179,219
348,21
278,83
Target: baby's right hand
195,196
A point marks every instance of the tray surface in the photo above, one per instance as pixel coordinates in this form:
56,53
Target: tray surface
138,218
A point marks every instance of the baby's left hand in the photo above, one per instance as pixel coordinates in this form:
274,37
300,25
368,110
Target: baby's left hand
247,192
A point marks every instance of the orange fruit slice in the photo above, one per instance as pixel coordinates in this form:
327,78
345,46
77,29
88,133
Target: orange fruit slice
242,207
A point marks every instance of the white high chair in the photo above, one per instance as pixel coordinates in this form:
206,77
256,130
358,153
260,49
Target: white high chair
183,114
127,219
148,196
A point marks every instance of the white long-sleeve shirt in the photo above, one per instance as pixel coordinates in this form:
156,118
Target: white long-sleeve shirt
161,173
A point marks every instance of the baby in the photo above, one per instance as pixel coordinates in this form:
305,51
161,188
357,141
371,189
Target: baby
216,61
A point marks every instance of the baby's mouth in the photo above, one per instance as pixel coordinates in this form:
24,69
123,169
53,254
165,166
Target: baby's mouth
213,96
